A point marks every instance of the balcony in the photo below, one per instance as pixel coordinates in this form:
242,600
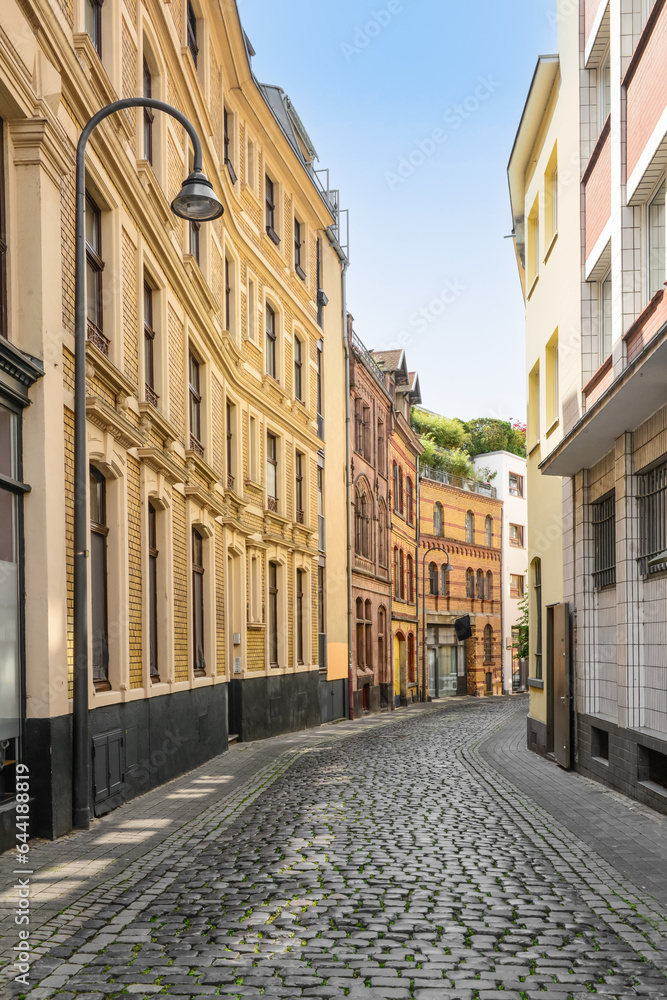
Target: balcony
458,482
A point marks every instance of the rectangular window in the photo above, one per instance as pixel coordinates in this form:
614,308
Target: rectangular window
272,472
192,33
381,455
300,623
604,307
656,242
273,614
533,249
195,407
320,601
98,578
94,268
152,593
516,485
297,250
367,433
227,138
320,510
253,445
93,24
270,209
250,167
149,115
149,347
298,465
534,407
199,660
298,369
228,296
554,201
251,318
229,415
320,411
271,366
318,282
358,425
516,536
552,382
194,230
652,492
3,237
603,519
604,91
516,585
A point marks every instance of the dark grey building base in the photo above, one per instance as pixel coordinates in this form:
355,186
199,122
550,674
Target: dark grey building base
536,736
269,706
629,761
373,697
135,746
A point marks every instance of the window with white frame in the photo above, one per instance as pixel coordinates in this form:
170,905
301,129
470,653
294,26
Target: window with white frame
656,241
604,90
605,317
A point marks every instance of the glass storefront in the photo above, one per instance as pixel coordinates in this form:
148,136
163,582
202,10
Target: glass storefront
446,662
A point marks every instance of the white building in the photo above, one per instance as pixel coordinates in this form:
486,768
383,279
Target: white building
510,483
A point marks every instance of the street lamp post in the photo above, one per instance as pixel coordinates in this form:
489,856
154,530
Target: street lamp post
196,201
448,566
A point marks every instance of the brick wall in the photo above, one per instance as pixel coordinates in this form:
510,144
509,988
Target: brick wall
646,91
134,534
598,195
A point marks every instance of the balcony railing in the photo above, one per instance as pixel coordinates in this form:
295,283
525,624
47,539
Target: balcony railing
362,352
97,338
299,517
449,479
196,446
151,395
272,504
230,481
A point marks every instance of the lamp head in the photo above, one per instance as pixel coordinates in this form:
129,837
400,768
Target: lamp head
197,201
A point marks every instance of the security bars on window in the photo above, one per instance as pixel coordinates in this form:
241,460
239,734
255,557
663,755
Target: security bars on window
603,519
653,521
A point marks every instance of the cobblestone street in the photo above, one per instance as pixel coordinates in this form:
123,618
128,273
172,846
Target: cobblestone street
390,861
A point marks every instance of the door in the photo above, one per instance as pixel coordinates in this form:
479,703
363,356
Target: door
447,671
562,686
461,670
430,671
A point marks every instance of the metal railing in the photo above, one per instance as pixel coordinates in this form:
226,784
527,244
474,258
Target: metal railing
362,352
652,494
603,519
449,479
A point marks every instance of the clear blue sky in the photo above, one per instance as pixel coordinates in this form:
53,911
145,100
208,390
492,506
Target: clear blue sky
413,106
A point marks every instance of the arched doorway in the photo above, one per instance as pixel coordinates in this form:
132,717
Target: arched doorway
400,669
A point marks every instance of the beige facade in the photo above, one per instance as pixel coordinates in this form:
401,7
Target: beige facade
544,190
212,493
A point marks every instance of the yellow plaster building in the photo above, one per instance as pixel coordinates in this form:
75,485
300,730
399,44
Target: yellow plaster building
544,191
217,597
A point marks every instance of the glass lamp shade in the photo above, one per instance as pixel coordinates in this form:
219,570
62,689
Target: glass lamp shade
197,200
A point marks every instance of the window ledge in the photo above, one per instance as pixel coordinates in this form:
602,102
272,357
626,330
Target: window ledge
533,286
553,427
198,279
552,244
152,186
246,189
535,682
533,448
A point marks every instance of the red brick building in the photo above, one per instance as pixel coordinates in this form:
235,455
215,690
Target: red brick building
370,428
404,450
464,519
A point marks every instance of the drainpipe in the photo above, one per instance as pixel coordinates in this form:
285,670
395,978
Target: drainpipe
348,490
504,611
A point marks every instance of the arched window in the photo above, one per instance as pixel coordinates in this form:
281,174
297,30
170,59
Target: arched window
411,579
369,635
409,513
443,580
360,630
437,519
401,575
362,524
489,585
412,667
470,527
488,644
357,522
480,584
433,579
488,530
470,583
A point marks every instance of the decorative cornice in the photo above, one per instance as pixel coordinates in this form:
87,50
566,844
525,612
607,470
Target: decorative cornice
99,80
22,369
107,372
151,417
160,462
195,463
35,143
206,499
198,280
107,418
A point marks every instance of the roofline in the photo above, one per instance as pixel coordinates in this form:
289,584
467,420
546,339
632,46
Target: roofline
510,454
547,66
